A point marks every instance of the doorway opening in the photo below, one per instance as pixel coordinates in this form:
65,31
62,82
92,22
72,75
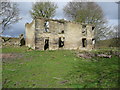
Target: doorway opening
61,42
93,28
84,42
46,45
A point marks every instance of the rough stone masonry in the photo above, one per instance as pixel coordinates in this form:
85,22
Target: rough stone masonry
50,34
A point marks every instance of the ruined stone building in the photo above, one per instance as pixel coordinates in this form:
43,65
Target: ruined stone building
49,34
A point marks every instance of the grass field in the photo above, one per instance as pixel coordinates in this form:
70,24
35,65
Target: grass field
56,69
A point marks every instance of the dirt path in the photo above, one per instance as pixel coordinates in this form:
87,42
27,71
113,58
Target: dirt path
8,55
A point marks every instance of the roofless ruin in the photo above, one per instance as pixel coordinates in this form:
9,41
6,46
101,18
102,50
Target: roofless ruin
50,34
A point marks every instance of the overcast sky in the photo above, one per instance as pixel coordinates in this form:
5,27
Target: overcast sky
110,10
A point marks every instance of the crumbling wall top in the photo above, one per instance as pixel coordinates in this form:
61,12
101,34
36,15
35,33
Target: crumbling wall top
63,21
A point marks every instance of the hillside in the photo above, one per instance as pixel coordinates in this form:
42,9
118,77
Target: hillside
25,68
114,42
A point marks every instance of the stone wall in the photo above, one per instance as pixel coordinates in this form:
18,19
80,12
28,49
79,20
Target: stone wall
49,34
30,34
5,41
73,36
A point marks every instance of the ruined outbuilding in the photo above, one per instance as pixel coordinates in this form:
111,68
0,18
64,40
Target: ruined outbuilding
13,41
49,34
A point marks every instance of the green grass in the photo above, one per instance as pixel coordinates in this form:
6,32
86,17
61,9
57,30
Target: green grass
59,68
98,73
113,42
13,49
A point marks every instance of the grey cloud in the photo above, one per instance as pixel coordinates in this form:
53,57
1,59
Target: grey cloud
59,11
110,9
24,7
18,28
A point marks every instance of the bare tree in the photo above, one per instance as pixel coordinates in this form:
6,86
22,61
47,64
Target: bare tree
43,9
9,14
116,36
112,34
89,13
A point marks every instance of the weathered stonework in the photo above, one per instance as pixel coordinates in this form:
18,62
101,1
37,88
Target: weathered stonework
49,34
13,41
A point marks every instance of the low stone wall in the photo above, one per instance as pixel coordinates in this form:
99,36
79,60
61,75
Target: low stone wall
4,41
